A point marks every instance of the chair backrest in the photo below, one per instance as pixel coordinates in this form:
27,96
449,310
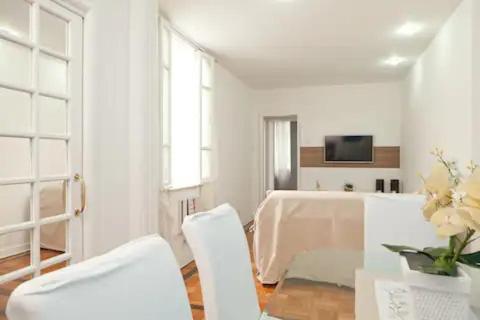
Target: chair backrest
397,219
220,249
139,280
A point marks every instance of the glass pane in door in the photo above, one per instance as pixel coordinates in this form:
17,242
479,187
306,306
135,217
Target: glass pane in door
15,160
15,202
53,239
15,111
15,64
52,198
53,32
54,267
52,116
15,252
52,75
15,18
52,157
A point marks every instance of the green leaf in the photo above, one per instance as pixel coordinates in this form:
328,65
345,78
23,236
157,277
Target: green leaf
398,249
471,259
436,252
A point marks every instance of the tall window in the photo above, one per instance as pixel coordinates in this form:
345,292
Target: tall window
206,116
186,112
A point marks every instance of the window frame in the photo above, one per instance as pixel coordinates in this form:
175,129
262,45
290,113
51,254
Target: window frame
165,67
166,31
210,89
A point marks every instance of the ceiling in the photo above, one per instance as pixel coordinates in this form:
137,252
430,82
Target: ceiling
292,43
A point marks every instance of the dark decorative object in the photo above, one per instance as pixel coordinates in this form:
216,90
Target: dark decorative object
380,185
395,186
348,187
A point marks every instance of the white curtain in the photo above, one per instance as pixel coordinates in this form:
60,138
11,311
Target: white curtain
282,152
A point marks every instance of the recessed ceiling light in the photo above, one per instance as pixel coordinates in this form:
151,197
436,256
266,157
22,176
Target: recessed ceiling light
409,29
394,61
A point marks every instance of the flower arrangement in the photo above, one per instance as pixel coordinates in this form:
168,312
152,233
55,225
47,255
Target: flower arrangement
453,207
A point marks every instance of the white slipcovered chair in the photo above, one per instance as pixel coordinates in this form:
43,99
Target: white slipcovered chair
397,219
220,249
139,280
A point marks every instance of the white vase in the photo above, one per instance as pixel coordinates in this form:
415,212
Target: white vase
438,297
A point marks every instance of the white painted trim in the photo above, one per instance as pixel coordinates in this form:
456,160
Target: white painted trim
17,274
163,28
19,41
29,225
16,87
57,259
54,54
17,180
155,181
33,135
80,7
56,219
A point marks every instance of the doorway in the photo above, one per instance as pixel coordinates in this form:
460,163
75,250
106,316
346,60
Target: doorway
42,195
281,153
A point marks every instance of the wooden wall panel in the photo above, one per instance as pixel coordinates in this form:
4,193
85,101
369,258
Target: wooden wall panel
384,157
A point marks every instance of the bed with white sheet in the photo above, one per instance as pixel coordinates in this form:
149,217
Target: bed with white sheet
290,222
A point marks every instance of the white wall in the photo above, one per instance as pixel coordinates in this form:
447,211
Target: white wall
438,107
476,82
119,150
235,130
373,109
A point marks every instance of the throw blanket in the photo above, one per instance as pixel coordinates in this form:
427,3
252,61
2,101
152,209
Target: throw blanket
290,222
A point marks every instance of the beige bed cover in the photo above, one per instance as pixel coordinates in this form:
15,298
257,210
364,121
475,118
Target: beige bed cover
291,222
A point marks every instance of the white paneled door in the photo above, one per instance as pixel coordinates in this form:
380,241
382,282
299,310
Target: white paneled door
42,193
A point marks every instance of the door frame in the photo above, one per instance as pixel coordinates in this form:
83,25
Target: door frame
262,125
81,8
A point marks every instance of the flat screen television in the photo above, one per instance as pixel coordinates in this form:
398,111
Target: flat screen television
349,149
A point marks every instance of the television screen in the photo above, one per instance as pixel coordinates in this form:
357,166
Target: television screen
349,149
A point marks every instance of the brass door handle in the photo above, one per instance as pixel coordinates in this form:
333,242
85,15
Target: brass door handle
79,178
